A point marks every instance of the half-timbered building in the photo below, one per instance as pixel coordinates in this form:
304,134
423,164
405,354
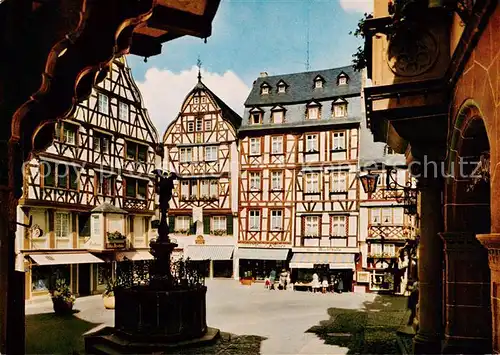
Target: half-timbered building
89,197
201,148
298,188
385,224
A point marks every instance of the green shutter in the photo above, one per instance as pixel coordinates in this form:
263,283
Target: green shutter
206,224
229,226
193,227
171,224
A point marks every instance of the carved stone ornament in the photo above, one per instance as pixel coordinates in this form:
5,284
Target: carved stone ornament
412,52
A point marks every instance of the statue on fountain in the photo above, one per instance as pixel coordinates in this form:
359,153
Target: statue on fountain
166,310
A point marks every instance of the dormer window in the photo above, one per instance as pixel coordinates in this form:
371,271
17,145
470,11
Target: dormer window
264,89
313,111
318,82
342,79
281,87
340,108
255,116
277,114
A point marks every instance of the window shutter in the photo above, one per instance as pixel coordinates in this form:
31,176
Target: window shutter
171,224
206,224
229,225
192,226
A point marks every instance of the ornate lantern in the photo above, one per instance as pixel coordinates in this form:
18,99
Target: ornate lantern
369,182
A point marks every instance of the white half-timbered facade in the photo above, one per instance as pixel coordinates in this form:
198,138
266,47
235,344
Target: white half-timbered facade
299,195
92,190
385,228
201,148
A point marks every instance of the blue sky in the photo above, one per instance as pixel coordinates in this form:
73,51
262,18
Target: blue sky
248,37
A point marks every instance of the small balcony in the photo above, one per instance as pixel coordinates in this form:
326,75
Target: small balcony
393,232
135,203
381,255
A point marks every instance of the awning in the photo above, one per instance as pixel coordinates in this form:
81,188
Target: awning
334,260
263,253
134,255
209,252
66,258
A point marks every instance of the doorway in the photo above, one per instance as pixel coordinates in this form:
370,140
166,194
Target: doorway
84,279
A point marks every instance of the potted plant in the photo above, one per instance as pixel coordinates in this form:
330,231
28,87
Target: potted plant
108,296
62,297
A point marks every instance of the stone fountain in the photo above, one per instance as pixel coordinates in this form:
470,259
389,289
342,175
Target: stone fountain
163,311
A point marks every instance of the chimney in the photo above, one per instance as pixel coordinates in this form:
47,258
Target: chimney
263,74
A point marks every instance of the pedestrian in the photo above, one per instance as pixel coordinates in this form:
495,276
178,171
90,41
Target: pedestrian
289,280
332,283
315,282
272,278
413,301
283,277
324,284
341,285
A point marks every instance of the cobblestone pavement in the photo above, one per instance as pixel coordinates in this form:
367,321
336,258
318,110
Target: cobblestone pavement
252,320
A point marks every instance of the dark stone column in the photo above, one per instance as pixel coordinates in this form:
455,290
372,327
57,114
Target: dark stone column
492,243
430,265
467,284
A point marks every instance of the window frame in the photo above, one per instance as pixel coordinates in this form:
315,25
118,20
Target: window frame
316,109
335,177
221,220
273,215
100,103
256,217
177,221
258,144
68,225
255,175
190,126
316,143
281,112
280,140
207,125
120,105
214,151
188,156
279,174
308,222
341,221
257,115
339,136
336,109
311,179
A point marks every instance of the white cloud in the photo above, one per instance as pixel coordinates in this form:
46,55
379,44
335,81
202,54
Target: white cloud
361,6
164,92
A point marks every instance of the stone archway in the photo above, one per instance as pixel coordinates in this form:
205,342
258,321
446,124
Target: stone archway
467,311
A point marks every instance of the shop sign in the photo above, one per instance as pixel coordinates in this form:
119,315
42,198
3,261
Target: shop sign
199,240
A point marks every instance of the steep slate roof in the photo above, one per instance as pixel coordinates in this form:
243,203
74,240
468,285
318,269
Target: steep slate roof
227,112
301,87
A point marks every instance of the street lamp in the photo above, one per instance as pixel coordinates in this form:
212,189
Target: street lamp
409,198
369,182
